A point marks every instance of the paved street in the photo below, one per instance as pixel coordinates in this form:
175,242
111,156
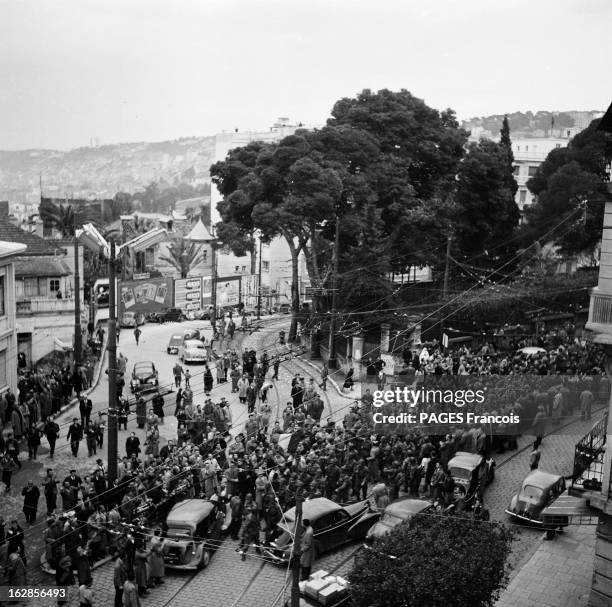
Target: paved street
255,583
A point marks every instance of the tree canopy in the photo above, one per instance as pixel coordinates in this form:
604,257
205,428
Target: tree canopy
438,561
569,186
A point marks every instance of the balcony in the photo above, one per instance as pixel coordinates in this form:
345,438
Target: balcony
44,305
600,316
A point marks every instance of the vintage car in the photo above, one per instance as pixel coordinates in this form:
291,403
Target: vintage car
539,490
168,315
132,320
470,472
332,523
394,514
191,535
192,334
144,377
193,351
174,343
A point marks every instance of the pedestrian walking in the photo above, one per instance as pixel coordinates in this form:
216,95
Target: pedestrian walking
177,371
50,490
534,458
75,435
187,378
324,376
51,431
137,334
31,495
156,559
130,591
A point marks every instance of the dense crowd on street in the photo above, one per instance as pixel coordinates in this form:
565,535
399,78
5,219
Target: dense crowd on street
255,476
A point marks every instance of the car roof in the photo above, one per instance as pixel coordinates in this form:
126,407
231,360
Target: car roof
406,507
176,337
142,364
194,343
314,509
190,512
129,313
463,459
541,479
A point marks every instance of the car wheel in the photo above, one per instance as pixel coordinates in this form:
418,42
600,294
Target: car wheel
205,560
168,351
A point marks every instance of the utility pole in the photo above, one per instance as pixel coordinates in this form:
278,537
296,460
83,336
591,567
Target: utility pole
259,290
331,363
449,240
297,546
213,286
78,332
113,447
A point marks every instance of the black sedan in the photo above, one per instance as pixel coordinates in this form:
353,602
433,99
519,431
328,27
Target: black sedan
332,523
144,377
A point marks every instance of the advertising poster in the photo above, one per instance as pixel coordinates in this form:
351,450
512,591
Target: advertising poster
206,290
146,296
188,294
248,289
228,291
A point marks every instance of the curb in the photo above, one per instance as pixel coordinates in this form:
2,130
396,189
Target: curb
329,379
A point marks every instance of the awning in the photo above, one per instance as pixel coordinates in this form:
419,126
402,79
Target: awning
144,241
37,267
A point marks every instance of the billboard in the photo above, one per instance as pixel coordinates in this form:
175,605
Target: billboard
188,294
153,295
249,286
228,291
206,290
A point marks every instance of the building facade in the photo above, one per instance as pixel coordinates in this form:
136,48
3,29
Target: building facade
8,321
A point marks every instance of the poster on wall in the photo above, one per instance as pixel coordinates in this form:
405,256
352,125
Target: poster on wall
146,296
249,286
228,291
188,294
206,291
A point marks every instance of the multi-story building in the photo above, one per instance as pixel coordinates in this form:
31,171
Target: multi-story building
8,321
529,154
44,290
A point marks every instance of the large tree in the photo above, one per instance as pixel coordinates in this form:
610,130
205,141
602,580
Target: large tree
569,186
438,561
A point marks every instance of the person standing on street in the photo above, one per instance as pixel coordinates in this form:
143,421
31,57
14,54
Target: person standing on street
31,495
120,576
137,334
307,555
51,431
586,403
178,374
324,375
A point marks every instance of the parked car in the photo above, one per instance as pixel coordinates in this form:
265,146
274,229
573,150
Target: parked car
394,514
538,490
284,308
190,535
169,315
132,320
144,377
174,343
470,472
192,334
332,523
193,351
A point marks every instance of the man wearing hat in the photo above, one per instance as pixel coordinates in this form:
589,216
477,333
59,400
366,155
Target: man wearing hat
75,435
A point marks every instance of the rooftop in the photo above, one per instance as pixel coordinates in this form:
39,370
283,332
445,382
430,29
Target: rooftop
35,244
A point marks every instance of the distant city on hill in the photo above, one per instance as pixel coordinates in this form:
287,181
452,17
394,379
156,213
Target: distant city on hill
100,171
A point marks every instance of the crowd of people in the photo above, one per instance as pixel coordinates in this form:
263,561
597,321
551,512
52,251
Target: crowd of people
256,475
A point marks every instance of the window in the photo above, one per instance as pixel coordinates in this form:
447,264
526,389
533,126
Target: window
150,257
237,269
3,380
54,286
2,302
244,268
522,196
42,287
265,266
31,287
532,170
517,169
526,148
204,255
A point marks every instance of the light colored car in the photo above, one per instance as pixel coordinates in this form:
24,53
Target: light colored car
189,539
394,514
132,320
193,351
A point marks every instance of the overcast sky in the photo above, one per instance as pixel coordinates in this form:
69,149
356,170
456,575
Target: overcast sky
149,70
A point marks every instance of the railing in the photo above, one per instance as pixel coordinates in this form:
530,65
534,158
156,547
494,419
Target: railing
44,305
600,310
589,456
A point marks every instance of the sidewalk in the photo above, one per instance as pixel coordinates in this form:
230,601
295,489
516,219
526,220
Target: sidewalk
558,574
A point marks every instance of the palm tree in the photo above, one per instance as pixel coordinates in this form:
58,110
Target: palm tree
62,217
183,255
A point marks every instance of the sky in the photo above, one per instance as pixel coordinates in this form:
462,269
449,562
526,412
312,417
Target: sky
151,70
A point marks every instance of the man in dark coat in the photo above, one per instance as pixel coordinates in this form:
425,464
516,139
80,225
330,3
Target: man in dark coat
132,445
75,434
31,495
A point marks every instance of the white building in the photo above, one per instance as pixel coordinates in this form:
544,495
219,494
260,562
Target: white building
8,321
529,154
